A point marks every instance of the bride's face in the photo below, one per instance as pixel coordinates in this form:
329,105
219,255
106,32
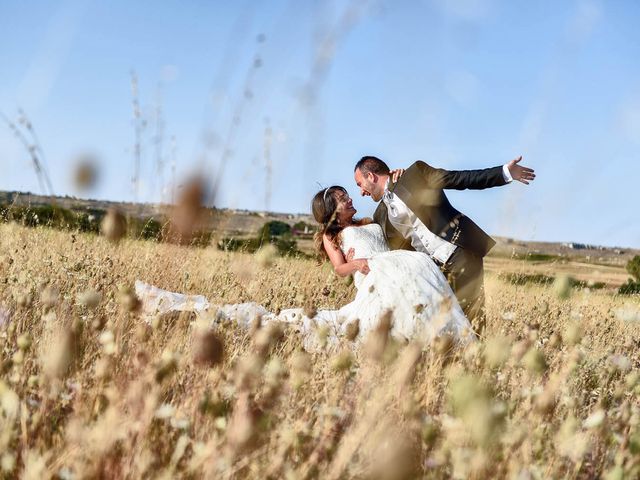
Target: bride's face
344,209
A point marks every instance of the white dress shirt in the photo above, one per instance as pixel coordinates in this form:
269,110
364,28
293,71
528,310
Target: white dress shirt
411,227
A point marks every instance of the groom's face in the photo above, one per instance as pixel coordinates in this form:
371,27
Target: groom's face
369,185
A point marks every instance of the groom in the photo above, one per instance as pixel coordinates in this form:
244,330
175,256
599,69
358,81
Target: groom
415,214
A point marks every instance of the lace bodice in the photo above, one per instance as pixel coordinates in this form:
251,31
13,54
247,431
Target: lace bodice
367,240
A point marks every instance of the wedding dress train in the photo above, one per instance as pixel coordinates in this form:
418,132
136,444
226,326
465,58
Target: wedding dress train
409,284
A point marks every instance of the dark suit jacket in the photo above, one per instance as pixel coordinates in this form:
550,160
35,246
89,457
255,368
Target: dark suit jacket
421,189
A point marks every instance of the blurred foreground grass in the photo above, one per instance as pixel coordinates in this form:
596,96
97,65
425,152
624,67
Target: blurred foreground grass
88,390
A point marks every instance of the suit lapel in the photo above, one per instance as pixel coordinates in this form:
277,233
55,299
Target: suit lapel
380,217
403,192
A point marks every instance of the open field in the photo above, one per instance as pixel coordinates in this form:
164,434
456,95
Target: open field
88,390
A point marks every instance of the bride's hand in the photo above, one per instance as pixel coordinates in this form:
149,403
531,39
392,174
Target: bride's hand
350,254
395,174
362,265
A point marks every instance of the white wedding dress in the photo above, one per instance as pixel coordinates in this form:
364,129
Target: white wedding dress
408,283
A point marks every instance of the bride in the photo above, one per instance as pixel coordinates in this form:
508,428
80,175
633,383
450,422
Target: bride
404,284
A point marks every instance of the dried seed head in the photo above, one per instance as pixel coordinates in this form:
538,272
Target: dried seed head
342,361
472,401
98,323
208,349
49,296
392,456
273,372
242,427
301,362
352,330
555,340
322,333
248,371
534,360
520,348
89,298
103,368
545,402
443,345
309,310
300,368
85,175
429,432
114,225
167,366
596,419
8,462
24,341
128,299
267,336
185,216
378,338
18,357
60,355
497,351
9,401
405,367
266,255
562,287
573,334
24,300
108,341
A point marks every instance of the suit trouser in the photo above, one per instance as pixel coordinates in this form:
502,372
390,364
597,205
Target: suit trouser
465,273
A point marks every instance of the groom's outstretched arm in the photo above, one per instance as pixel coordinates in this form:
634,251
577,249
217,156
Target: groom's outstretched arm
475,179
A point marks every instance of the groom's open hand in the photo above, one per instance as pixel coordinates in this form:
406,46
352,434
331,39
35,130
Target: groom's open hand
522,174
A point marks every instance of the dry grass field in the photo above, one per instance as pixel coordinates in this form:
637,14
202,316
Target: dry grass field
89,390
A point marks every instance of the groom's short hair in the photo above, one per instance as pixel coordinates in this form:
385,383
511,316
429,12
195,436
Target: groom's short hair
372,164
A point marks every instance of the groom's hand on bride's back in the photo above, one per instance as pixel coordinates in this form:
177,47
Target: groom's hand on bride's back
395,174
520,173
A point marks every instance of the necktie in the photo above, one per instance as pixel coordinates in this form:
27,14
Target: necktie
387,198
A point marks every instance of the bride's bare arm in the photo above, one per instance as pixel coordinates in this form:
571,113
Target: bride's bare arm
341,266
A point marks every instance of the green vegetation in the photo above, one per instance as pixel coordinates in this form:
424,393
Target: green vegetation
87,221
521,279
277,233
299,228
632,287
633,267
274,228
538,257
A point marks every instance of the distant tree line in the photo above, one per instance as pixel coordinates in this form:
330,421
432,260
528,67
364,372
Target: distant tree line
87,221
277,233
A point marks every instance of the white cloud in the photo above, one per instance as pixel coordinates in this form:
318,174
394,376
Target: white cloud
45,65
470,10
629,120
584,21
169,73
462,87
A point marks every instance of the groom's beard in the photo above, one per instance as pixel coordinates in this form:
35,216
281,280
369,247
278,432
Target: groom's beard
377,198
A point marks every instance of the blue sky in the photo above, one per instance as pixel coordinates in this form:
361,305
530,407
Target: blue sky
459,84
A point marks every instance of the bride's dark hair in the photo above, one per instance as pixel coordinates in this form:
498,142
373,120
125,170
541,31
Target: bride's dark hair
324,208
